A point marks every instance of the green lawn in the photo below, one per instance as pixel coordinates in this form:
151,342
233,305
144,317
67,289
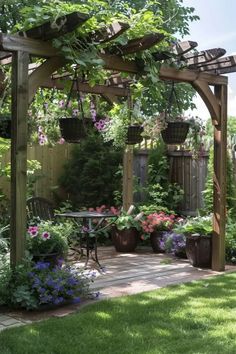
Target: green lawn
198,317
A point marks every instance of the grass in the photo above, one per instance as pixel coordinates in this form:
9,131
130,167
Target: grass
198,317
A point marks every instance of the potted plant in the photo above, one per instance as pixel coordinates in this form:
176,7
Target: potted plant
155,226
73,124
124,127
125,231
198,233
48,241
176,130
176,243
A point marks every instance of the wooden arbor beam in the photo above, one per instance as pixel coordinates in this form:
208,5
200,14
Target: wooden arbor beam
19,155
85,87
217,105
209,98
219,179
59,27
138,44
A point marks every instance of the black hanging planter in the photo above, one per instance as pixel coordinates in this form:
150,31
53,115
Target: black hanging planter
134,134
73,130
175,133
5,126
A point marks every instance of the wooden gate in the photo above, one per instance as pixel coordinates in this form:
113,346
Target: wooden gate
190,174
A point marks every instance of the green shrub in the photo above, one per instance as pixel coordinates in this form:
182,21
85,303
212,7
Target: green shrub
90,176
230,241
160,191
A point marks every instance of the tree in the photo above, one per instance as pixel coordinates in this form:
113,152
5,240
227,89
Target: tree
91,175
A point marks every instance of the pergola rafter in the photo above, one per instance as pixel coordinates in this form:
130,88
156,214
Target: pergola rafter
26,79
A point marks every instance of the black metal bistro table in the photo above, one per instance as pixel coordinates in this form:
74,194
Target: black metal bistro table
89,230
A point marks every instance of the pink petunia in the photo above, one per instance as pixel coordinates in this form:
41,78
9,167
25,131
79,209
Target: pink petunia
33,231
46,235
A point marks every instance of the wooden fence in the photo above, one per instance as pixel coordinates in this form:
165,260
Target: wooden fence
184,170
189,173
52,161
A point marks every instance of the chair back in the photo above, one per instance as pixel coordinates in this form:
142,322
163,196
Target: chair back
40,207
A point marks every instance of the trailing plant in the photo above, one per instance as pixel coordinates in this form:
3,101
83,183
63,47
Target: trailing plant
32,285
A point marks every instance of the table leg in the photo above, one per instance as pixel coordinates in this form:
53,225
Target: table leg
96,253
87,250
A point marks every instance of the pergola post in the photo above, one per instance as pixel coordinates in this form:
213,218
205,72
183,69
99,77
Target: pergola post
127,177
20,61
219,188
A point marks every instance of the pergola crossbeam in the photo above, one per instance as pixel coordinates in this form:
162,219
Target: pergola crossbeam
206,56
61,26
85,87
138,44
222,63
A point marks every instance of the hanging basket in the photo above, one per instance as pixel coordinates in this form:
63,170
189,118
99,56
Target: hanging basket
134,134
175,133
5,127
73,130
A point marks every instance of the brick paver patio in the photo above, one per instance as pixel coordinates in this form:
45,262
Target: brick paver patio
123,274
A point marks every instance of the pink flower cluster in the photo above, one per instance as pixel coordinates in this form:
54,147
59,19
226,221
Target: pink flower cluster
158,221
104,208
41,136
33,231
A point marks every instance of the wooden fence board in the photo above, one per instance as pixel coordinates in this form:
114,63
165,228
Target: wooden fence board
52,161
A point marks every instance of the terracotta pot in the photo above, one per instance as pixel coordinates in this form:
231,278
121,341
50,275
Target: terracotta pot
125,240
156,238
198,250
175,133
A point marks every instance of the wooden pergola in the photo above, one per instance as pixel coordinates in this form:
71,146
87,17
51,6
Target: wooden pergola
202,70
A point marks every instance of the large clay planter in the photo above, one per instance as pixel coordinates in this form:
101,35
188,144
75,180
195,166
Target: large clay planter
156,238
125,240
198,250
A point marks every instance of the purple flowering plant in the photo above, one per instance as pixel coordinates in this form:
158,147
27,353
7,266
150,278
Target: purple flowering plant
175,243
47,237
57,285
33,284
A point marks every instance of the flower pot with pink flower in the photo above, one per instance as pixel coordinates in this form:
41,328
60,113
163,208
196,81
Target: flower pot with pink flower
154,226
48,241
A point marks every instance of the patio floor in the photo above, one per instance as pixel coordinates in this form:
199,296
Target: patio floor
123,274
143,270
